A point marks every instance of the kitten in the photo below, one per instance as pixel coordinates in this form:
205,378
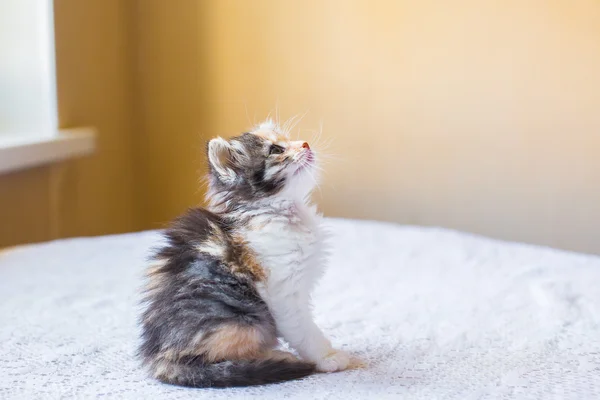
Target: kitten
233,278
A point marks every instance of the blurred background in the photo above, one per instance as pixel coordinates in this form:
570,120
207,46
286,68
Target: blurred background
482,116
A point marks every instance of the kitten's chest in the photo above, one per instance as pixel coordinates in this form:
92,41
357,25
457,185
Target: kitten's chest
285,240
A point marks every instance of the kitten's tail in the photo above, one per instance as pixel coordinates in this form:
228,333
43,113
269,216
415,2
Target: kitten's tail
195,373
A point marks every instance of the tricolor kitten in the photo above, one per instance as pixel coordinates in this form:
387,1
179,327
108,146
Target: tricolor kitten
233,278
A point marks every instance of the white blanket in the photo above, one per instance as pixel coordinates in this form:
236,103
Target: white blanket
433,314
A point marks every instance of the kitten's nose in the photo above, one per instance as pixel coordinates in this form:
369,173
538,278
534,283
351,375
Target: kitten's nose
305,146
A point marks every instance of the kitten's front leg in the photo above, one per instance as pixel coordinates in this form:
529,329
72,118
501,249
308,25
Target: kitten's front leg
295,323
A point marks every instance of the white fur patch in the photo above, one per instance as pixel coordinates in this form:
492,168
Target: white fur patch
289,242
212,248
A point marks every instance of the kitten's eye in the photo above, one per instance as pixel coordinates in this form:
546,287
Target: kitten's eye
276,149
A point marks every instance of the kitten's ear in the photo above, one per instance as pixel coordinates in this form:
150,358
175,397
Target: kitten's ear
220,158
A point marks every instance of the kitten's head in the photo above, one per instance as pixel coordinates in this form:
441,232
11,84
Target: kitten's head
260,164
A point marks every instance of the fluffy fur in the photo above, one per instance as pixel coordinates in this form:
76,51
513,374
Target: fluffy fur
233,278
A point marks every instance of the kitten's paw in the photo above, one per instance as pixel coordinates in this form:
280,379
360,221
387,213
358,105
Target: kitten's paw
337,360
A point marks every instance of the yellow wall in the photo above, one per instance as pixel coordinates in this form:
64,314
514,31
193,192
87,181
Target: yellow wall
171,108
25,210
92,195
475,115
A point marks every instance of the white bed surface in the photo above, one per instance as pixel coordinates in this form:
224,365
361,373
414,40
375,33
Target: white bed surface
434,314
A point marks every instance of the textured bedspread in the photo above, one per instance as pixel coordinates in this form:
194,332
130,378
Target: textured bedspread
433,314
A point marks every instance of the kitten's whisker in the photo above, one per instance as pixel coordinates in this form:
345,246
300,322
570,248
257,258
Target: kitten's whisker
284,127
312,177
293,122
248,115
329,156
277,119
318,133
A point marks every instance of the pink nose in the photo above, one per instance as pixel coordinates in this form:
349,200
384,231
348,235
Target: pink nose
305,146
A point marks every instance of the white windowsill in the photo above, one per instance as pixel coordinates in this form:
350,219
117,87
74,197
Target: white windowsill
25,152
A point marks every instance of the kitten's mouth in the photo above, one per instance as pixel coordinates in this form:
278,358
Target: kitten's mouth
306,159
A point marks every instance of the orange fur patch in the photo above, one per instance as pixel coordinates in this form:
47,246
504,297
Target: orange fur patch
245,260
235,342
281,355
